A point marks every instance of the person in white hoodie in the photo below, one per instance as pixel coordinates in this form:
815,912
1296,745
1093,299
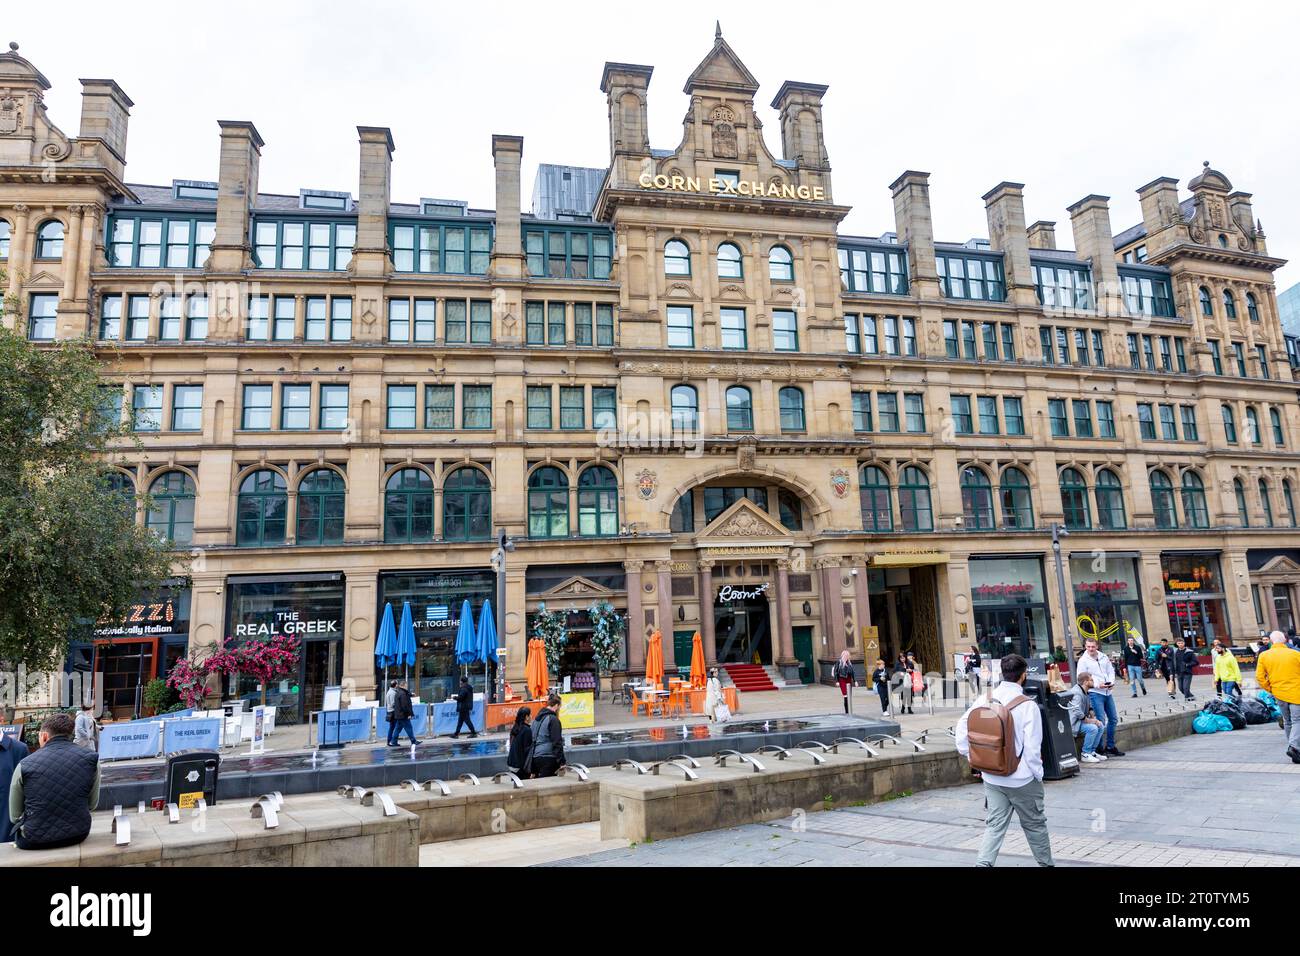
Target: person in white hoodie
1022,790
1103,701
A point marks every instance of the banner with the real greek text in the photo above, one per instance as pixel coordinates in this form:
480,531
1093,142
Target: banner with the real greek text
343,726
202,733
123,741
419,723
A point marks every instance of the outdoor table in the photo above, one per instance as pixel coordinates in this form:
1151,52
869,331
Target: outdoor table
503,714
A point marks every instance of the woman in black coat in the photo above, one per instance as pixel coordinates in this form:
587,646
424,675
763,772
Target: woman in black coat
521,744
902,679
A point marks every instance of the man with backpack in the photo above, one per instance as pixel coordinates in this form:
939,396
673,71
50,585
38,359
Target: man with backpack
1002,737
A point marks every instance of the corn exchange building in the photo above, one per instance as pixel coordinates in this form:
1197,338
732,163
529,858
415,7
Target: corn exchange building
675,383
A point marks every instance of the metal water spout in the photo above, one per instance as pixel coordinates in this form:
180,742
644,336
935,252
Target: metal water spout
683,728
767,725
599,737
412,750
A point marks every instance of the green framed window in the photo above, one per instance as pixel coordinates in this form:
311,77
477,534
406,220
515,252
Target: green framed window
792,414
256,414
316,325
677,258
169,318
1015,500
1168,426
971,277
1056,415
950,347
167,241
914,412
740,409
171,508
1013,416
440,407
780,264
466,505
1074,500
1162,500
852,340
681,327
791,510
110,318
340,319
573,407
685,404
1279,434
1216,356
146,408
49,240
5,233
1252,307
43,316
187,408
785,331
1195,512
875,499
1239,358
1188,415
597,503
567,253
1110,501
457,248
315,245
110,408
1254,435
399,320
295,407
426,320
455,321
257,325
1261,354
555,322
1082,410
1105,420
1062,286
476,407
732,327
196,318
583,330
1146,293
962,421
548,503
1243,512
262,509
604,408
730,261
401,406
286,318
1146,422
1288,501
534,323
604,326
976,499
322,497
881,270
539,406
408,507
862,418
333,407
988,414
1229,424
1229,304
914,507
887,411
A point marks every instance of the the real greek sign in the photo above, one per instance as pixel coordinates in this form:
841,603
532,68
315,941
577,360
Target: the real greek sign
729,593
287,622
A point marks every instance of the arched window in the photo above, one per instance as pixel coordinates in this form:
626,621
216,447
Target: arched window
322,495
677,258
1207,304
1266,501
4,238
1017,505
171,508
780,265
1229,304
408,506
263,505
1162,500
914,500
1252,426
597,503
466,505
1074,500
1279,435
120,484
548,504
791,509
683,519
976,499
686,409
1252,307
792,418
740,410
1110,501
1288,501
49,240
1229,424
729,261
1243,512
1194,511
873,489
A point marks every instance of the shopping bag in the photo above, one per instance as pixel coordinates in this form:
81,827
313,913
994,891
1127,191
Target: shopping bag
721,713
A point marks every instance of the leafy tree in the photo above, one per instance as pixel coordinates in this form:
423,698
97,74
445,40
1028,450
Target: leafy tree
71,552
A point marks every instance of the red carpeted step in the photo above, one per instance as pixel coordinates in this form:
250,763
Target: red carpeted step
749,677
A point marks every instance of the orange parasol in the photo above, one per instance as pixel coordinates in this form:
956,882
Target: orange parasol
535,673
697,661
654,659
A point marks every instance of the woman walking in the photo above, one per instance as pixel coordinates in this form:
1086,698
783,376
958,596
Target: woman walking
521,744
845,676
880,681
712,695
902,679
973,667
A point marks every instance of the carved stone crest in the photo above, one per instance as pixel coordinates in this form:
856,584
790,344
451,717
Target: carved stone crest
647,484
840,482
746,453
10,114
724,133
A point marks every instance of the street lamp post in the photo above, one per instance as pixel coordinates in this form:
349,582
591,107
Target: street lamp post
505,544
1058,532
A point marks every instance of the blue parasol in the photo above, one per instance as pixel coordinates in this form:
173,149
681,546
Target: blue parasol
386,644
406,639
487,640
466,640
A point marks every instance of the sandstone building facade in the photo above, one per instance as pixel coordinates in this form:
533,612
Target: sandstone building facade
675,384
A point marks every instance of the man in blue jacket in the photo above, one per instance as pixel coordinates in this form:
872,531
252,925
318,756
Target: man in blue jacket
12,750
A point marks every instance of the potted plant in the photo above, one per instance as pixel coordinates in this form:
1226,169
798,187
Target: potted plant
158,697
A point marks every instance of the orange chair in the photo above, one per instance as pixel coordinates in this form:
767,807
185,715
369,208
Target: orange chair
676,703
641,703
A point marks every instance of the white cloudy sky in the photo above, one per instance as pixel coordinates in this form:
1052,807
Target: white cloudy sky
1096,98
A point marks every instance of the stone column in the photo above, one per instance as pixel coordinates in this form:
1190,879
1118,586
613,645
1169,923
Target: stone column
835,594
635,618
707,633
785,658
665,622
72,318
863,598
19,244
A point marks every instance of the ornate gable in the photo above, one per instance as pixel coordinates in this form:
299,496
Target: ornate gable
722,71
742,520
577,587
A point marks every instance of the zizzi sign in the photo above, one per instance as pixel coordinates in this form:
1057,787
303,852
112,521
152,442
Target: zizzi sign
726,187
727,593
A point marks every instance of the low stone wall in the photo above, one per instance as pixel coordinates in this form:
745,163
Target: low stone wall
316,830
474,811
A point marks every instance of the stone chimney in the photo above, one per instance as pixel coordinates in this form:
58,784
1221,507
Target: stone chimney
916,228
105,112
1093,241
1160,215
802,139
507,246
1042,235
1004,205
371,255
1242,211
241,154
626,86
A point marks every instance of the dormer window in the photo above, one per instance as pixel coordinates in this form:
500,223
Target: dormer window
190,189
443,207
320,199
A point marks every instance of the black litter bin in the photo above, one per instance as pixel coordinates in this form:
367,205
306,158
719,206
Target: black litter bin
1059,760
191,775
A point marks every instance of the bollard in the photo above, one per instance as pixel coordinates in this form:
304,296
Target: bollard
267,810
515,782
121,830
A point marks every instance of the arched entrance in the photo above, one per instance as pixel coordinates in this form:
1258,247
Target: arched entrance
742,625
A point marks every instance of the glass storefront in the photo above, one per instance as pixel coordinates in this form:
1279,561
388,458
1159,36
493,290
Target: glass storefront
1010,606
1194,598
309,607
1107,593
436,601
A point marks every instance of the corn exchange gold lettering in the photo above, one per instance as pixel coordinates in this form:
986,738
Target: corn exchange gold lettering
743,187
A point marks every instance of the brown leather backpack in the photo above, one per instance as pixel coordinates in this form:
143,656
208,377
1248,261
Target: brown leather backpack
992,736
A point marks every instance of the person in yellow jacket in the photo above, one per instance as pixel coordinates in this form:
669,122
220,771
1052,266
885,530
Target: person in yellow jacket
1227,671
1278,672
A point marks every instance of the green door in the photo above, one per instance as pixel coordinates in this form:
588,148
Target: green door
682,647
803,649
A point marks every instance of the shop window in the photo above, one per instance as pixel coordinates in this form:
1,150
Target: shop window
466,505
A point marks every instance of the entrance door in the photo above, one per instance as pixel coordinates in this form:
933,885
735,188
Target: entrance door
742,632
126,667
683,645
1001,632
322,667
803,650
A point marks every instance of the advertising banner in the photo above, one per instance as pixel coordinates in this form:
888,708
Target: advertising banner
577,710
343,726
122,741
199,733
419,723
444,716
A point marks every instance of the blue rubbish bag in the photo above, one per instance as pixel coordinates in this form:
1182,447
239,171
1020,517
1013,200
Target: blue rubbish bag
1207,723
1269,701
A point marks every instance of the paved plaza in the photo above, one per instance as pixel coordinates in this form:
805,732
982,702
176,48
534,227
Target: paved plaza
1225,800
